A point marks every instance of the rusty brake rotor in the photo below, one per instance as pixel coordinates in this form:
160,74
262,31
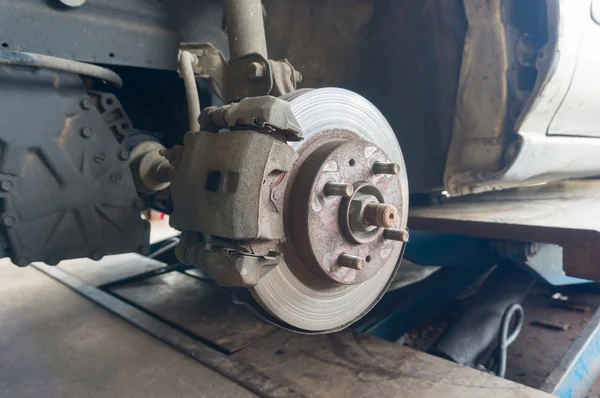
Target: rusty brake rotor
346,207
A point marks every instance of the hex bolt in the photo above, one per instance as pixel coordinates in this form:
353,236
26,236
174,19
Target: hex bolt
7,185
350,261
8,221
99,157
386,168
116,177
124,154
380,215
339,189
87,132
395,234
256,70
87,103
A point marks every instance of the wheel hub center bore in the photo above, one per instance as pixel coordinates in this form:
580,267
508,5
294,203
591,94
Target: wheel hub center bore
343,207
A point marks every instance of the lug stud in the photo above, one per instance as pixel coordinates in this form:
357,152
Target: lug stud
395,234
339,189
386,168
349,261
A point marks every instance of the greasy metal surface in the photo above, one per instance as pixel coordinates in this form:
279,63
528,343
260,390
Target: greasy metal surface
243,374
559,214
197,307
315,219
67,191
134,32
535,358
347,364
290,292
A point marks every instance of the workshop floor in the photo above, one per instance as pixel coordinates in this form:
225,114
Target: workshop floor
55,343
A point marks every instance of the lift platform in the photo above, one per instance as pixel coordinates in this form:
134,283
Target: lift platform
181,307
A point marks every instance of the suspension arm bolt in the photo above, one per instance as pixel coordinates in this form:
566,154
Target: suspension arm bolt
349,261
380,215
395,234
386,168
256,71
339,189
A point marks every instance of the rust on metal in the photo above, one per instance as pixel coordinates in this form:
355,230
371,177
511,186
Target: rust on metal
380,215
349,261
571,306
338,189
551,325
386,168
319,226
395,234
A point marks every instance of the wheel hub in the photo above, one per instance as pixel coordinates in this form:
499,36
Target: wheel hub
337,207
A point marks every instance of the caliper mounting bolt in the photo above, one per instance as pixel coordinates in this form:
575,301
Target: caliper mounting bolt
339,189
349,261
386,168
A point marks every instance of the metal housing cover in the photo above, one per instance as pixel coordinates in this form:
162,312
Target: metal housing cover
67,191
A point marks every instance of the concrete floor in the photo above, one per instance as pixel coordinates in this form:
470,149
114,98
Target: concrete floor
55,343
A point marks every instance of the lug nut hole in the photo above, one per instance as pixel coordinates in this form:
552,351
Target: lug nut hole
368,259
352,162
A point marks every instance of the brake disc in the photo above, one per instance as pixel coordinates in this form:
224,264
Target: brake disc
344,135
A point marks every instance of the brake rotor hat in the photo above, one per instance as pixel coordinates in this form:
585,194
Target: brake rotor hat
294,292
